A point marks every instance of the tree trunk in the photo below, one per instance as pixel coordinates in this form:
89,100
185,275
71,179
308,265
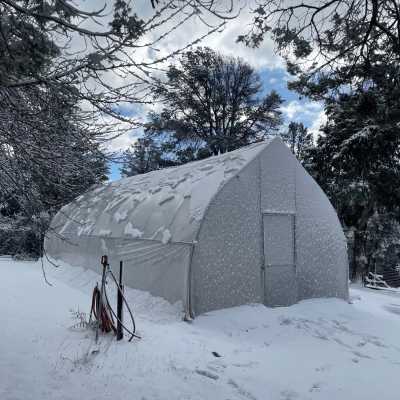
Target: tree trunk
358,258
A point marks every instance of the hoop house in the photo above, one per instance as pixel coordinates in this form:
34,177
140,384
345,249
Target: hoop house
243,227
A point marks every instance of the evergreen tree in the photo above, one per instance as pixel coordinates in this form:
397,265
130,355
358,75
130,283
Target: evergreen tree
356,161
143,156
383,242
212,104
298,138
329,45
49,159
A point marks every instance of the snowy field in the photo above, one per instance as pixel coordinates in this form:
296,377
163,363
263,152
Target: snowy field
318,349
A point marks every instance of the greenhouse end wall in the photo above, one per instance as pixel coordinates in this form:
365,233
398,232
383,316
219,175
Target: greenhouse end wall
322,263
227,256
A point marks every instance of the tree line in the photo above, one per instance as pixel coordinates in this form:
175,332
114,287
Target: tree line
345,54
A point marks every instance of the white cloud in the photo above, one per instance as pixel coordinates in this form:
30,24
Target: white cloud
223,41
312,114
291,109
319,121
298,110
122,142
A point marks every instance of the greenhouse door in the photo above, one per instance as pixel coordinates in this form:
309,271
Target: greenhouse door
279,271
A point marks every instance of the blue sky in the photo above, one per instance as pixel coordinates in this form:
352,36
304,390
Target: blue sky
114,172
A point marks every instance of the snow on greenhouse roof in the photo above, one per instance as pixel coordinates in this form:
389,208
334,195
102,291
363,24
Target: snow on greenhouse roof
163,205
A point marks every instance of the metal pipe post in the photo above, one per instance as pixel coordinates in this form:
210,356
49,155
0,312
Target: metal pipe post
120,333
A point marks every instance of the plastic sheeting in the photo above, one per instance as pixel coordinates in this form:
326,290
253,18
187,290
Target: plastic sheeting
158,268
205,233
166,205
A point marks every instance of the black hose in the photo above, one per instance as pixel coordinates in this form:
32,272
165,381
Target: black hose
118,320
124,299
132,333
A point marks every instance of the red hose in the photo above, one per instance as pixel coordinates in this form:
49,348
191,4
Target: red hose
106,319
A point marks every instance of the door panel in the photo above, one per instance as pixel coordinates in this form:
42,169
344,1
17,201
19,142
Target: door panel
280,286
280,282
278,239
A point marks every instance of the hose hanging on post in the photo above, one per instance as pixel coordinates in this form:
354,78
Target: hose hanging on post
107,313
106,319
130,332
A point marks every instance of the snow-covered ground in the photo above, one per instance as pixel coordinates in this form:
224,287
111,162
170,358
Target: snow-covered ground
319,349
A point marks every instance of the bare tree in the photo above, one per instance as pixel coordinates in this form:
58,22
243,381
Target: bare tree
103,57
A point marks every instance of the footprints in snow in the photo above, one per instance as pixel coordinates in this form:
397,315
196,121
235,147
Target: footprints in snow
332,330
243,392
207,374
215,370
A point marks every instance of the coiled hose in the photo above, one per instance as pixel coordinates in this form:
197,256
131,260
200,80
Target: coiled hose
106,319
107,312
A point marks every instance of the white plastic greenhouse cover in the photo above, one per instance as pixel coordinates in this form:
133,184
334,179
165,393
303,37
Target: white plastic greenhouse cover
166,205
243,227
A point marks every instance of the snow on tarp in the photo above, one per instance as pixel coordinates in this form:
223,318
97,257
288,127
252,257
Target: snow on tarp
165,205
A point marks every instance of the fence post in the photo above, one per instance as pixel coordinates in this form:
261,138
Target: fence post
120,333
